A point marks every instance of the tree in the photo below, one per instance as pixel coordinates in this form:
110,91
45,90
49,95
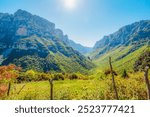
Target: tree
8,74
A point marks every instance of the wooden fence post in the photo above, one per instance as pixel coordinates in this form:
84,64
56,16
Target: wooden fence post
51,89
113,79
9,86
147,81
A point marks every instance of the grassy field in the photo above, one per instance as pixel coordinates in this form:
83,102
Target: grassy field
65,90
122,63
118,65
130,88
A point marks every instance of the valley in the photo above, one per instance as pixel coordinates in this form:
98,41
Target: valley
34,54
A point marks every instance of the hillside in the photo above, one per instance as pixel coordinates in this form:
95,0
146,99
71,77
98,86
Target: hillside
82,49
124,46
32,42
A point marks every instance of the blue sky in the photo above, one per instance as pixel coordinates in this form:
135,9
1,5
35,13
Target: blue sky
84,21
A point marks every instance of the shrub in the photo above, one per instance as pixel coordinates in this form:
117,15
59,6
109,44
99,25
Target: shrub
44,76
133,88
31,75
73,77
108,71
58,76
143,61
124,74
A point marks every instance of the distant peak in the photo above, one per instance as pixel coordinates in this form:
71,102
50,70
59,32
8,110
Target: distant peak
22,13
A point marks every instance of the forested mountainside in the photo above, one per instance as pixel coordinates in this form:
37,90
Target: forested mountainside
33,42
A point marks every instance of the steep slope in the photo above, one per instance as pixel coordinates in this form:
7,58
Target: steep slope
124,46
75,46
33,43
135,34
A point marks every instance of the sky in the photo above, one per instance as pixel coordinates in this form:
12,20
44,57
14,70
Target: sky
84,21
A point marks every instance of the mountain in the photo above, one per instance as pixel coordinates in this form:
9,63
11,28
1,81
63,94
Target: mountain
124,46
75,46
134,34
33,42
82,49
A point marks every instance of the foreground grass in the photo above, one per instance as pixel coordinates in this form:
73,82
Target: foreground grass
129,88
63,90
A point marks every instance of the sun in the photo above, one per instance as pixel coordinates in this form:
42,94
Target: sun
70,4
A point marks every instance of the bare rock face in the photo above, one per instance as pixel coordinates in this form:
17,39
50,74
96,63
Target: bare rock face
22,31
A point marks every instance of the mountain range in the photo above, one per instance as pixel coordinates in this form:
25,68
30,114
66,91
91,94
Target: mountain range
33,42
124,46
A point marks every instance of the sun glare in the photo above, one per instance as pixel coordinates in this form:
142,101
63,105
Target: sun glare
70,4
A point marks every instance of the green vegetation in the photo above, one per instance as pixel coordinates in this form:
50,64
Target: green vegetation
131,88
96,85
32,84
125,74
120,64
48,58
142,61
45,55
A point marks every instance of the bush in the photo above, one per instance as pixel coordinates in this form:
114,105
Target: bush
73,77
58,76
143,61
124,74
128,89
31,75
43,76
108,71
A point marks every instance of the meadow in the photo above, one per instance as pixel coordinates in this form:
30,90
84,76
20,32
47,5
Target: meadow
132,88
